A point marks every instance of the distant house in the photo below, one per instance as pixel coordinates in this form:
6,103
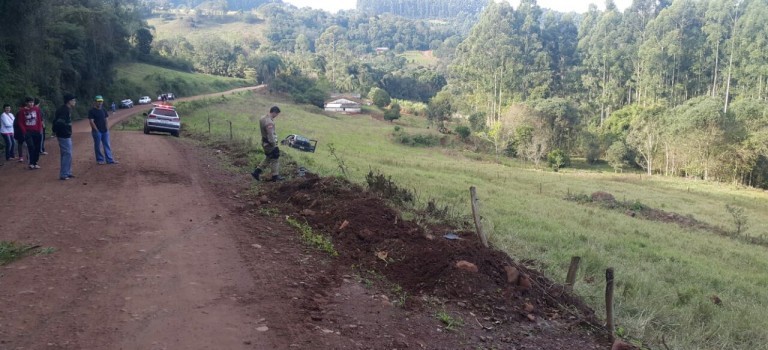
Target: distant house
343,106
380,50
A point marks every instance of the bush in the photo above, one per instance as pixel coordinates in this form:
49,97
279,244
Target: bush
558,159
477,121
380,97
463,131
393,113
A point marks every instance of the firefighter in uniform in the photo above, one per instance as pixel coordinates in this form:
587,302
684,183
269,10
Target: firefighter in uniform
271,150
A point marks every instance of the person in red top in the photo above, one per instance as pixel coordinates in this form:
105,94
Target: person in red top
32,126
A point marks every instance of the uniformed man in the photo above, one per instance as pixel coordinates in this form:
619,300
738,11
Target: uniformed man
269,143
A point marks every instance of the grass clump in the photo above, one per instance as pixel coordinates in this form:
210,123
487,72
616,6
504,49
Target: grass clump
11,251
311,238
451,323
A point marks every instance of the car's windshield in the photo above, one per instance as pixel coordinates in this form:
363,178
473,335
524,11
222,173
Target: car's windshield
302,139
164,112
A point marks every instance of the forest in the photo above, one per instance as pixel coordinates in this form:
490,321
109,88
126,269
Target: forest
675,88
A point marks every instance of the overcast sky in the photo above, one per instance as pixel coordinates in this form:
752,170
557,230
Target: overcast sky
559,5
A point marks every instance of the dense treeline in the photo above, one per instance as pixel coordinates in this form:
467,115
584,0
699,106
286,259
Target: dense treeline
422,8
232,5
49,47
675,88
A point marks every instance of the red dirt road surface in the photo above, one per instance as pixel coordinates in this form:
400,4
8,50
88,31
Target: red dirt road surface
167,250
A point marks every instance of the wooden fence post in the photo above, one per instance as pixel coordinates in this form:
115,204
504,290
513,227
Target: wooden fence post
209,125
230,129
476,215
571,278
609,302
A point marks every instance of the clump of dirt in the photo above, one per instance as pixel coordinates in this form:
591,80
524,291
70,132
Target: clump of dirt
427,260
638,210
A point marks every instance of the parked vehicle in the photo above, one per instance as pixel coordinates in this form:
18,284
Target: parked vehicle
162,118
300,142
168,96
145,100
127,103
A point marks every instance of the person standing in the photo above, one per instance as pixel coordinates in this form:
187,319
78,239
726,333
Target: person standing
97,116
31,126
6,129
269,143
18,134
42,118
62,128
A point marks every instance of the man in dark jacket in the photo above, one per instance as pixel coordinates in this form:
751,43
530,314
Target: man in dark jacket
62,127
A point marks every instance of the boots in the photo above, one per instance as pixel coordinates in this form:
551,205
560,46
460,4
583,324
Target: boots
256,173
276,178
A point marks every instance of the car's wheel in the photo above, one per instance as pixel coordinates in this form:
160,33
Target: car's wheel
146,130
175,134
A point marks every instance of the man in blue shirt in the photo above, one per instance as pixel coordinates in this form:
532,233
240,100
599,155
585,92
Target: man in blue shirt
97,116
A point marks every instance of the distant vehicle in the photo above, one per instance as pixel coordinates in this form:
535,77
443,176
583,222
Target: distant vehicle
145,100
162,118
127,103
300,142
168,96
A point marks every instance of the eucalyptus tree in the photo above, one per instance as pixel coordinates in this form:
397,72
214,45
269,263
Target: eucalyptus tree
484,68
332,45
751,47
603,66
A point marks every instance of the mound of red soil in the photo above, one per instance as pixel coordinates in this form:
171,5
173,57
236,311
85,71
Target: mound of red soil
371,236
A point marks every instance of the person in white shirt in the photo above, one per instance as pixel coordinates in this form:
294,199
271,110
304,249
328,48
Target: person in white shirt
6,129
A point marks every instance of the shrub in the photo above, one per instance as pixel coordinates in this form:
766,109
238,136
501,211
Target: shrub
558,159
463,131
380,97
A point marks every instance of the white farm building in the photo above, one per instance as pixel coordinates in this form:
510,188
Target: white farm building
343,106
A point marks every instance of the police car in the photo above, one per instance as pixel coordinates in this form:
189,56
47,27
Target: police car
162,118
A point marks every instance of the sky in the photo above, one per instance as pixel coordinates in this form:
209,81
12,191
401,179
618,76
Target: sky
559,5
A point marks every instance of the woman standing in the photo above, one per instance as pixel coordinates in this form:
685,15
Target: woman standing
6,129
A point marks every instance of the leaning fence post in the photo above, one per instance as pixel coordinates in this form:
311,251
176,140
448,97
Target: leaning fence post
209,125
476,215
571,278
609,302
230,129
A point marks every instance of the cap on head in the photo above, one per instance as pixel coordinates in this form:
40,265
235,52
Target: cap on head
98,98
274,109
69,97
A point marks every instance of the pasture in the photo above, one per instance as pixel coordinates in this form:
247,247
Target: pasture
668,277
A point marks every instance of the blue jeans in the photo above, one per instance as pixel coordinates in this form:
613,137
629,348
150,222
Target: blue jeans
9,145
102,138
65,148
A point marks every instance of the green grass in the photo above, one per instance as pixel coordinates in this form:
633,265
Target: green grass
420,58
139,79
666,275
10,251
234,32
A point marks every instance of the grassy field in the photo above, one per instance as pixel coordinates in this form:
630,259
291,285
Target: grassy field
138,79
420,58
234,32
666,276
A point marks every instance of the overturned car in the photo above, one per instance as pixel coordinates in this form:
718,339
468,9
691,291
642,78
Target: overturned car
300,142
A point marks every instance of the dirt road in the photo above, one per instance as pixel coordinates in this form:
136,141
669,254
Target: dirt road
144,257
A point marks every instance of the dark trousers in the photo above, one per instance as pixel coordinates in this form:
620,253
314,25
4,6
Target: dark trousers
33,145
